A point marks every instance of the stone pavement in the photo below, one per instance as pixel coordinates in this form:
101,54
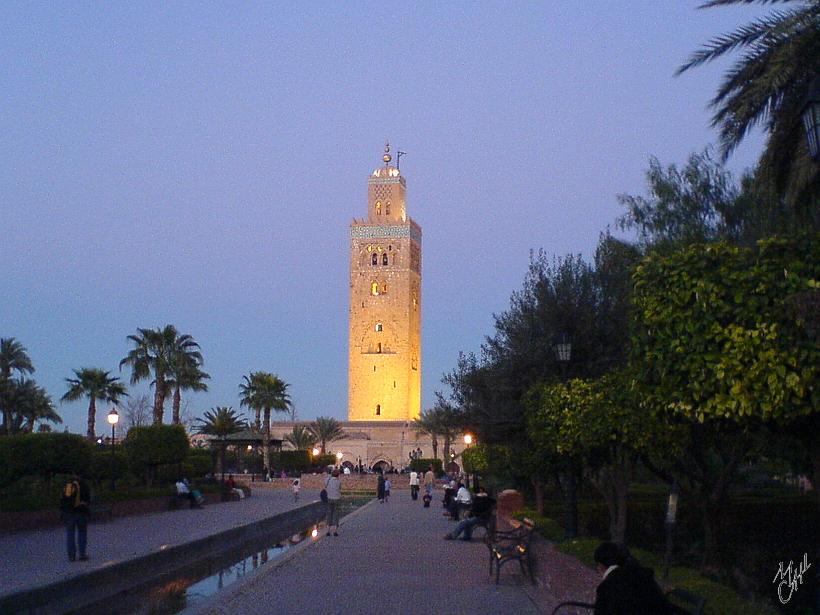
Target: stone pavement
389,559
36,558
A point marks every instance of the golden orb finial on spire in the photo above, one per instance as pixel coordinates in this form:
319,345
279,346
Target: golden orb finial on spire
387,157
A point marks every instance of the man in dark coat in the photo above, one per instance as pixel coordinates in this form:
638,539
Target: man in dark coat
627,588
74,512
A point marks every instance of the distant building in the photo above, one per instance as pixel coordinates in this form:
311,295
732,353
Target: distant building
384,365
384,354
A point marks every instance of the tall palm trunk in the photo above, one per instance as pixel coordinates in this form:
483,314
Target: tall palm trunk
177,400
258,421
92,418
159,399
266,441
435,445
446,449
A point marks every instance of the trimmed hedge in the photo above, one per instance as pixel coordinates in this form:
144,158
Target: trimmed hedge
421,465
291,461
148,448
43,454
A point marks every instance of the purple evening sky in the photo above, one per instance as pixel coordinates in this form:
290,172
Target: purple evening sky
199,165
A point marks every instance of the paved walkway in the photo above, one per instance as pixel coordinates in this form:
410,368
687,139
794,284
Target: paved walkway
389,559
36,558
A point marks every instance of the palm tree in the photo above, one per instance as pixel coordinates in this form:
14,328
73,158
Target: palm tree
449,422
768,86
186,375
301,438
428,423
13,358
95,384
264,392
27,404
221,422
327,429
156,352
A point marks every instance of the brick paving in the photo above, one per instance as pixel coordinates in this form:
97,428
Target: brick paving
388,559
392,559
38,557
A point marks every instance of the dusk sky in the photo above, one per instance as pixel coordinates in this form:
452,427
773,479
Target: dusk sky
199,165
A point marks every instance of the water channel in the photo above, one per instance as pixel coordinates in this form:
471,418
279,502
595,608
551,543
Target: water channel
195,583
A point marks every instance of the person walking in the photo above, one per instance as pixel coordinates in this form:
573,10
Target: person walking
429,478
387,486
414,484
74,511
380,488
295,486
333,486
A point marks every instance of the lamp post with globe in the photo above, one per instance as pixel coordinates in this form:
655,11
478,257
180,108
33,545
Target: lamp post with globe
113,419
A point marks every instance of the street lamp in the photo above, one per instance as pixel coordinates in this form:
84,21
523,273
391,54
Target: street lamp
468,439
563,353
113,419
339,459
811,118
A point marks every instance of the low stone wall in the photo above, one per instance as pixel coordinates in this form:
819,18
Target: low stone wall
350,482
36,519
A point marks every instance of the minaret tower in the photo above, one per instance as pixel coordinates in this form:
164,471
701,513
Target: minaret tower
384,369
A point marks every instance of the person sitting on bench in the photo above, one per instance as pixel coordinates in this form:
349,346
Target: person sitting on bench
185,493
480,514
627,588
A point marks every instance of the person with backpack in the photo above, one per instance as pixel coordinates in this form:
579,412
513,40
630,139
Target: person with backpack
74,511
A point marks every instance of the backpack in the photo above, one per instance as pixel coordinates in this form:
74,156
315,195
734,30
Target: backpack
70,498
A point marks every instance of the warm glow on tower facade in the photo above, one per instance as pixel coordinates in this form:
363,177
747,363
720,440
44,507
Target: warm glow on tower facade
384,369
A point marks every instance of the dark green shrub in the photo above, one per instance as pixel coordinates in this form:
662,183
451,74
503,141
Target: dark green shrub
198,463
102,464
293,461
322,461
421,465
148,448
43,454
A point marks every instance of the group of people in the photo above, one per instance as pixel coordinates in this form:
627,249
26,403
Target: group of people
474,509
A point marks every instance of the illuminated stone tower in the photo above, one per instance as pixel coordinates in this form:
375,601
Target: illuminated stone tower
384,369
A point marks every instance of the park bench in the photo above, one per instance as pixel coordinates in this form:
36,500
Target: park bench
683,603
512,546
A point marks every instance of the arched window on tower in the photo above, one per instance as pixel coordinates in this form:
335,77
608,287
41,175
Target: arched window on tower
378,409
374,259
387,208
374,289
378,208
384,258
379,347
379,327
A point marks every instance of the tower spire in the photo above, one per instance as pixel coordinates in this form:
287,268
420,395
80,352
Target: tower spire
387,157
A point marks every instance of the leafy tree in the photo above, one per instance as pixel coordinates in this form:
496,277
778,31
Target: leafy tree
599,424
147,448
264,392
718,346
326,429
221,422
301,437
96,384
13,359
767,86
